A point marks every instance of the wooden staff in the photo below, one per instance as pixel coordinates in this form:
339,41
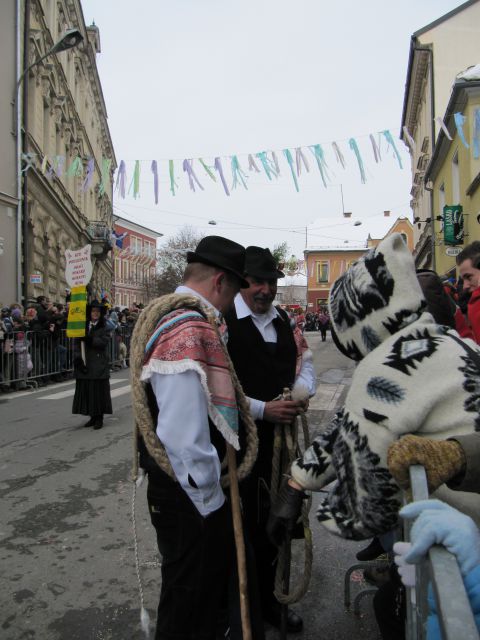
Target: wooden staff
239,544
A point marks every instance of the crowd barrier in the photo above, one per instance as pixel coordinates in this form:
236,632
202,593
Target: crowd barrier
441,569
31,358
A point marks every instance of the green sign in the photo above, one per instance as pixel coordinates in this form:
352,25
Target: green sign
453,224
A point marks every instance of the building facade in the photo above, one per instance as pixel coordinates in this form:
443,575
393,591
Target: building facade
438,52
67,152
135,263
324,265
454,173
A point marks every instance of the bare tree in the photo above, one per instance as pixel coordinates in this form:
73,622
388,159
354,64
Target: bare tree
172,259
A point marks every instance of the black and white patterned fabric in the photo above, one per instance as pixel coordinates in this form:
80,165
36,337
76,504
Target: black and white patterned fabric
411,378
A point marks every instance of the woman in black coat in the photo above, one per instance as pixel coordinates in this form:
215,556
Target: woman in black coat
92,389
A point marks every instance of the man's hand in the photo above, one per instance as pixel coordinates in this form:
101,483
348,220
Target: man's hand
281,411
285,512
442,459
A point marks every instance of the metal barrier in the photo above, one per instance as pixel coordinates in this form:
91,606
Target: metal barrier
33,358
453,606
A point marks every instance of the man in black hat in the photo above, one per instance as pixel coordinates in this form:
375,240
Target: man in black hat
268,355
187,380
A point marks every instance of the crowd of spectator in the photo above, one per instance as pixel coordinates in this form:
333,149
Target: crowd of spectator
34,347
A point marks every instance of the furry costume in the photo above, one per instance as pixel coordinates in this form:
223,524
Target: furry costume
165,358
411,378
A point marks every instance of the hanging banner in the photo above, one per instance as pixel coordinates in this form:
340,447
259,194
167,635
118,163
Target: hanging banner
453,229
78,268
77,312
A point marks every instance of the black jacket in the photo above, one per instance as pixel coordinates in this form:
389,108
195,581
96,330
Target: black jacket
96,351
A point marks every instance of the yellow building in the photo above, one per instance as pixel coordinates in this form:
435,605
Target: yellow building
324,265
453,175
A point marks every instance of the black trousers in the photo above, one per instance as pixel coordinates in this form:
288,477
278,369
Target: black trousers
197,555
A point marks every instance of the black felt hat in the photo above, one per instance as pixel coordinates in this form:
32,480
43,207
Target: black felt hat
222,253
260,263
95,304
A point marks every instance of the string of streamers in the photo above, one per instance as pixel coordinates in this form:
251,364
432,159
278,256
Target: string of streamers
317,151
442,126
288,156
121,179
251,164
192,178
409,139
339,154
299,160
88,175
75,169
238,174
154,169
459,122
218,167
375,148
391,142
476,133
135,183
106,164
171,172
29,161
353,145
267,164
208,170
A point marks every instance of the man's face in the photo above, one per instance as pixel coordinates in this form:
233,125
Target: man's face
95,314
260,294
469,274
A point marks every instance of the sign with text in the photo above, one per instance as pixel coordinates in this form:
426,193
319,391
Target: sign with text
35,278
78,269
453,224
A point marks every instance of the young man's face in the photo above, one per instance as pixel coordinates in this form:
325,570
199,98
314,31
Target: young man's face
469,274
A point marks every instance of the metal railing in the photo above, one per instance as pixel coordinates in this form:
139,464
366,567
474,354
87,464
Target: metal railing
453,606
33,358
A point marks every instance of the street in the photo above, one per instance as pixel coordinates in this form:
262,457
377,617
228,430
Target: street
66,541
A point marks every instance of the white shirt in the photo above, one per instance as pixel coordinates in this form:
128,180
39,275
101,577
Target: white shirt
264,323
183,429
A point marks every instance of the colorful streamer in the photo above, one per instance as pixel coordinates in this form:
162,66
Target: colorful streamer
192,178
218,167
105,174
459,122
121,179
339,154
208,170
251,164
391,142
442,126
317,151
267,164
299,160
409,139
288,156
88,175
476,133
43,168
353,145
376,149
75,169
238,174
171,171
154,170
60,163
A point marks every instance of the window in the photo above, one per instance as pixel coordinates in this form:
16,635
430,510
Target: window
135,245
404,238
455,180
322,271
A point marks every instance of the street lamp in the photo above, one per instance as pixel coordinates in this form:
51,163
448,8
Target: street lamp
71,38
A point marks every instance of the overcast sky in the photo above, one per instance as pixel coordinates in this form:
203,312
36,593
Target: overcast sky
207,78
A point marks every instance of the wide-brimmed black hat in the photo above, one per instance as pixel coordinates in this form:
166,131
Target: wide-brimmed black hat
95,304
222,253
260,263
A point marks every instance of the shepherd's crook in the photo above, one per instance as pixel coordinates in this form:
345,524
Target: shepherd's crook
239,544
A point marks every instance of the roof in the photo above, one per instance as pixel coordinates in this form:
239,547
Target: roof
122,221
444,18
335,249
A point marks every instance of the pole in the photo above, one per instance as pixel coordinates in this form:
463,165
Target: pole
343,206
239,544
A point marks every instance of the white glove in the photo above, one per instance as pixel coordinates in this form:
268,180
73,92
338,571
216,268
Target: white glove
438,523
405,570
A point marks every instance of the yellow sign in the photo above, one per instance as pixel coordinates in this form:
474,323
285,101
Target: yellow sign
77,313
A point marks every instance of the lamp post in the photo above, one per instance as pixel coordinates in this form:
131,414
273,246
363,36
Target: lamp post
70,39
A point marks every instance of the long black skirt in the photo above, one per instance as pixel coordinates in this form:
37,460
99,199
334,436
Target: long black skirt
92,397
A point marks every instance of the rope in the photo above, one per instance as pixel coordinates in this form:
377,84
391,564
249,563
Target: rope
286,439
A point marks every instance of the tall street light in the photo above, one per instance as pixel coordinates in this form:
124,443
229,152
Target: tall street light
70,39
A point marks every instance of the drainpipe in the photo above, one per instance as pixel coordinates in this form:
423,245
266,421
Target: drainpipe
18,134
26,46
